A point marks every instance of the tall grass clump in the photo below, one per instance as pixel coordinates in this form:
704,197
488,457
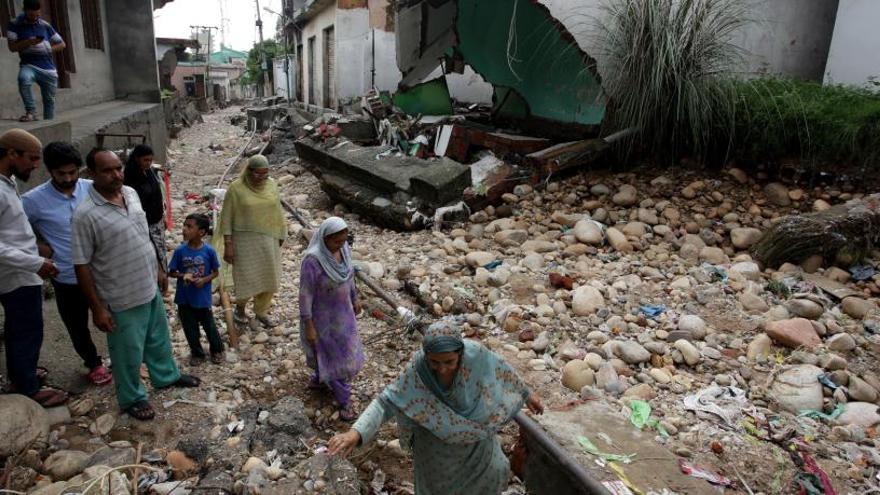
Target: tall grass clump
668,69
815,124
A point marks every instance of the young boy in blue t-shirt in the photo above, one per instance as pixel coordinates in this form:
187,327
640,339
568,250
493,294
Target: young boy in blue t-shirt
194,265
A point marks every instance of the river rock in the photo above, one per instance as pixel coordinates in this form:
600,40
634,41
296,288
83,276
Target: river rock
479,258
24,422
538,246
660,375
805,308
744,237
777,194
842,342
857,307
589,232
65,464
576,375
689,352
753,302
797,388
631,352
861,414
860,390
511,238
760,346
642,391
618,241
586,300
694,325
714,255
606,378
627,195
794,333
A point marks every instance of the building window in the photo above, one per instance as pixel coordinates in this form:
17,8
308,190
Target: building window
7,13
93,32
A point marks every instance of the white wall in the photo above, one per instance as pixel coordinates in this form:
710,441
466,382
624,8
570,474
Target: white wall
315,27
787,37
353,49
855,48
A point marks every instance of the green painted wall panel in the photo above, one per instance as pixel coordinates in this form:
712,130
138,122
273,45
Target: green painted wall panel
546,67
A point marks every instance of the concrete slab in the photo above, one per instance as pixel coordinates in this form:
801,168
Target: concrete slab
653,469
437,182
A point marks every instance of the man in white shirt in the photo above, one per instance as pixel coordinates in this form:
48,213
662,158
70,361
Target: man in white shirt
21,272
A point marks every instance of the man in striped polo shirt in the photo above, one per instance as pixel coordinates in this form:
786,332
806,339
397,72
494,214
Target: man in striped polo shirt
117,269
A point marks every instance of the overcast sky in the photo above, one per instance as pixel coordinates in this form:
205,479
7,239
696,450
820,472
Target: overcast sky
174,20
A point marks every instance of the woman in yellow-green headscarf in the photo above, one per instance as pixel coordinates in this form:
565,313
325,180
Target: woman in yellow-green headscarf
252,229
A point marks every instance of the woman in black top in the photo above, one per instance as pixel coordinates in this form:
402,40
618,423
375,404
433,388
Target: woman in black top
140,176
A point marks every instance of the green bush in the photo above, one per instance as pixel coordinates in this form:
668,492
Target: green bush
818,125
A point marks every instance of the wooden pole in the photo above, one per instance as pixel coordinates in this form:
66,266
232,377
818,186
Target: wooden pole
231,329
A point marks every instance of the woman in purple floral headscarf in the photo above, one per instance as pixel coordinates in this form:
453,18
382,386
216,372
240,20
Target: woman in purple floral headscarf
328,304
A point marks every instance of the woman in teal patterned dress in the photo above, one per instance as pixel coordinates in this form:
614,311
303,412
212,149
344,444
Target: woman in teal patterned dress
449,403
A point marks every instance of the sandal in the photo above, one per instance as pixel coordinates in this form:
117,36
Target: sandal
196,360
187,381
28,117
218,358
141,410
267,321
42,374
49,397
100,375
316,385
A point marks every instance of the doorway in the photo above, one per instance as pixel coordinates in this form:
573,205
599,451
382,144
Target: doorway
312,71
55,13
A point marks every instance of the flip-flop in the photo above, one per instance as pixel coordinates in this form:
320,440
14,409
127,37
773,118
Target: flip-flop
100,375
28,117
187,381
42,374
141,410
49,397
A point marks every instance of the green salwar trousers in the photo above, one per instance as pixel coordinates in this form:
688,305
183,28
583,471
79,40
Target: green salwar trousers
141,335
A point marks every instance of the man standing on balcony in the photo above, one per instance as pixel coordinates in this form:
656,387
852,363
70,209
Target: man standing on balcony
35,40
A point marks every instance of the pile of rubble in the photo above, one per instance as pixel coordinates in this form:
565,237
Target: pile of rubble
634,290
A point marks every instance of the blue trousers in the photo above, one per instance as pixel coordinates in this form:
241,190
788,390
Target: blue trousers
27,76
23,326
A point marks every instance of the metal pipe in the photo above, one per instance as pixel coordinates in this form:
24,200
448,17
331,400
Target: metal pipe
566,462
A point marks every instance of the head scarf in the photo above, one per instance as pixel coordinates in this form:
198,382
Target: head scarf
255,162
485,394
20,140
339,273
146,183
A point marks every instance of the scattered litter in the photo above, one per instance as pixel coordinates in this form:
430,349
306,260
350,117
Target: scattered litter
146,480
717,274
725,402
824,379
702,473
235,426
617,487
862,272
641,417
820,415
652,311
813,469
378,483
590,448
493,265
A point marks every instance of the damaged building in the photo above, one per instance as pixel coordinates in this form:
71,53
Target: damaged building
420,153
427,106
